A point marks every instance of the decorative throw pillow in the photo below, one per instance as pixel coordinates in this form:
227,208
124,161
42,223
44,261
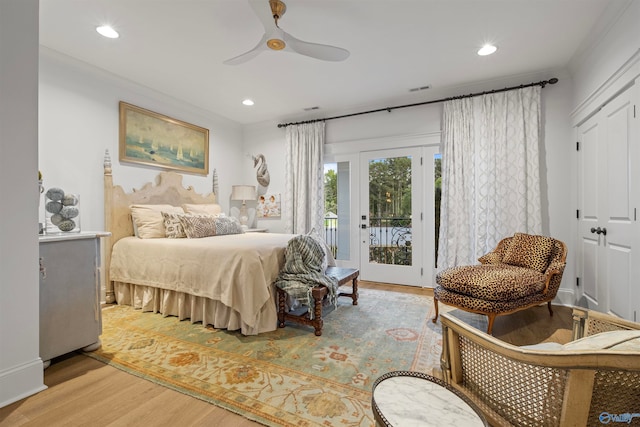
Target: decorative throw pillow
330,261
197,226
490,258
173,226
613,340
228,225
203,208
529,251
148,222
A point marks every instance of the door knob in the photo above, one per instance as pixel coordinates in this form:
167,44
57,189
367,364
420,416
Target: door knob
593,230
599,230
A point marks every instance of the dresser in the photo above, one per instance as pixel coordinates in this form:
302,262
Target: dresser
70,316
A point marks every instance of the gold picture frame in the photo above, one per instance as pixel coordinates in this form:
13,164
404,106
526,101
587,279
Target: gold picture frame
153,139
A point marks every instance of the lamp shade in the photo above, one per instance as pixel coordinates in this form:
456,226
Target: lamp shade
243,192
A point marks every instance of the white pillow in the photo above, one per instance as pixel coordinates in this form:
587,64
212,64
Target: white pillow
148,222
202,208
328,255
612,340
604,340
544,346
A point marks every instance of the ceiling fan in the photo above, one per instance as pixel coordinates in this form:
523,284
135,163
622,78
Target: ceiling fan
275,38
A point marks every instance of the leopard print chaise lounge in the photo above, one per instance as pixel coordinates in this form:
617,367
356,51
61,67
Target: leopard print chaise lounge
521,272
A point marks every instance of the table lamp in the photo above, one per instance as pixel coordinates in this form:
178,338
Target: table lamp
243,193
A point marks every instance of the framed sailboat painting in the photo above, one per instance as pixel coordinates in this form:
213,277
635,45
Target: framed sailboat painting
152,139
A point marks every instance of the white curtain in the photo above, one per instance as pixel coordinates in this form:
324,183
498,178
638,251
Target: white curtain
304,178
490,173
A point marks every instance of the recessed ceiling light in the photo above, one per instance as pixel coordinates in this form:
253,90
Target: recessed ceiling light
487,49
107,31
248,102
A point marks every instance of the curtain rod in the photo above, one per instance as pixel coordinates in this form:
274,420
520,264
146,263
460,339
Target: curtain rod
542,83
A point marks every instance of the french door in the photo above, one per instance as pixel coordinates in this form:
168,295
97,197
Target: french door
392,216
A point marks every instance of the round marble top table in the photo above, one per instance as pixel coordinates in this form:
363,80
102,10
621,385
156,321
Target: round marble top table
408,399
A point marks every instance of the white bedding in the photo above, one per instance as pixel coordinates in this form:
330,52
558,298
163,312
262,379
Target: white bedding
226,281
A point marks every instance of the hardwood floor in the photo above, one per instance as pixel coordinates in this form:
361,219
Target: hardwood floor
83,391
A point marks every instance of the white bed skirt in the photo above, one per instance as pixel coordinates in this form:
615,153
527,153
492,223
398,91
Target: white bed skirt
196,309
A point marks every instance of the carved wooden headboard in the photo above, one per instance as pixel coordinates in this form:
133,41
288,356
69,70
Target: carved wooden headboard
168,189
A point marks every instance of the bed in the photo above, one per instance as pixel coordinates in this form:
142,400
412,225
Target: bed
223,280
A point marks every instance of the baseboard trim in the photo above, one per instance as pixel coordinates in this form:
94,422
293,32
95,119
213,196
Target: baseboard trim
565,297
21,381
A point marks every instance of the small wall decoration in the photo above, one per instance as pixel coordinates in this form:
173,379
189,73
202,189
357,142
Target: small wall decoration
150,138
268,206
262,174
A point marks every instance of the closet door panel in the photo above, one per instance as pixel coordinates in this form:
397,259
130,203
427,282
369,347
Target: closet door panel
608,194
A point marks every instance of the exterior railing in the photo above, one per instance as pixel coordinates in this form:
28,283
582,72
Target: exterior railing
389,239
331,234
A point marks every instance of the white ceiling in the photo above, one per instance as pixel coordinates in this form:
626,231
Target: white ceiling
177,47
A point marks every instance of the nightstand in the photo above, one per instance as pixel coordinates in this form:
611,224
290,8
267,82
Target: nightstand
256,230
70,316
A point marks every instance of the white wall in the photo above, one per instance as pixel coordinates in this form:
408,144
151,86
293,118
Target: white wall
426,120
614,41
20,364
79,119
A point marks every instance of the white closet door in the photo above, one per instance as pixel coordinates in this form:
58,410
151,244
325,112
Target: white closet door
608,263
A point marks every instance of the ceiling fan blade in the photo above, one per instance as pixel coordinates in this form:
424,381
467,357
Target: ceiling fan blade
263,11
260,47
324,52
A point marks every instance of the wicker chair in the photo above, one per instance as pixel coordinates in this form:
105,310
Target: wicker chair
520,386
521,272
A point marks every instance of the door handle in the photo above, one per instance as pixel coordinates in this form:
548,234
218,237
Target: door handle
599,230
363,226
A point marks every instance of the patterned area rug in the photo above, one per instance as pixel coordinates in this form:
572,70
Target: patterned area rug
288,377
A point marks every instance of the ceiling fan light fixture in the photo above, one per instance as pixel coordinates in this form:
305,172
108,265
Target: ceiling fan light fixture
274,38
487,49
276,44
107,31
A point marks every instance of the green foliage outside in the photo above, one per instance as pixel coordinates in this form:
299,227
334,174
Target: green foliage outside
389,188
330,191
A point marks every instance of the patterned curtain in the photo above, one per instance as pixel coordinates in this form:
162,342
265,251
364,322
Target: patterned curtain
490,173
303,205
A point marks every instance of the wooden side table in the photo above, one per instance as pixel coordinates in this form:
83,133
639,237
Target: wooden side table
407,398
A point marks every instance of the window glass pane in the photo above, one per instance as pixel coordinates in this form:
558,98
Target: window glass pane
337,208
390,211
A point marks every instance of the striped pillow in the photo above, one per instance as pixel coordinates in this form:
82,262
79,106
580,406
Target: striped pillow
197,226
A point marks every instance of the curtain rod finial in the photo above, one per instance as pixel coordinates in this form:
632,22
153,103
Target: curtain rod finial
553,81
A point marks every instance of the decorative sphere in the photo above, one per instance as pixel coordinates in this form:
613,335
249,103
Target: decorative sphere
53,207
56,219
69,212
67,225
55,194
70,200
